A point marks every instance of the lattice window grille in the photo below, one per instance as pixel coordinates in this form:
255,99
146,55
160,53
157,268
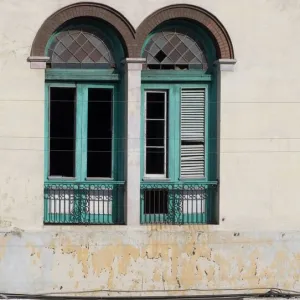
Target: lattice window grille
79,47
174,49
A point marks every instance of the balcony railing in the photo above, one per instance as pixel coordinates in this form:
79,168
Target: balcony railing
176,203
84,203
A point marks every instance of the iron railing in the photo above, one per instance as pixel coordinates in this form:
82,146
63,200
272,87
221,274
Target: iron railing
84,203
178,203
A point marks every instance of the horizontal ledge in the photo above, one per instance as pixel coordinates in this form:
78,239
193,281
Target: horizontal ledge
157,181
38,62
171,75
103,182
137,60
149,179
38,59
226,64
84,75
226,61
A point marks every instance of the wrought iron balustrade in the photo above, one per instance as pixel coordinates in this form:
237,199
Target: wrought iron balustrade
178,203
84,203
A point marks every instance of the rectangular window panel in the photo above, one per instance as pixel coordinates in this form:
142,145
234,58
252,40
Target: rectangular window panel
100,133
192,154
155,132
155,105
155,160
62,131
156,123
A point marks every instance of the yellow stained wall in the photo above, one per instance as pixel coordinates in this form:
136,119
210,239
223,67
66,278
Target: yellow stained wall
164,260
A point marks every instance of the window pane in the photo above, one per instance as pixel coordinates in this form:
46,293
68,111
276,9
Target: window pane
155,105
155,159
99,156
62,131
155,133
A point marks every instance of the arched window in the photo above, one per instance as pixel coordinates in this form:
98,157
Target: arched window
175,49
80,47
179,128
84,170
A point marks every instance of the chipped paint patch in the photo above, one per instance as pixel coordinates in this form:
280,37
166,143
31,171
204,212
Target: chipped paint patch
151,261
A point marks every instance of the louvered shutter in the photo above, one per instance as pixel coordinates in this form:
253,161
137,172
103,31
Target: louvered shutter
192,154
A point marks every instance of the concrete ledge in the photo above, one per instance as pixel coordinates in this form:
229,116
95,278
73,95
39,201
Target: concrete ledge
38,62
226,65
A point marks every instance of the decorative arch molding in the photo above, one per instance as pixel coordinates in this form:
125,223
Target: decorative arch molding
132,39
199,15
85,9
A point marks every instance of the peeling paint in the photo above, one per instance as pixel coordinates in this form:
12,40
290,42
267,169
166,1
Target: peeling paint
145,261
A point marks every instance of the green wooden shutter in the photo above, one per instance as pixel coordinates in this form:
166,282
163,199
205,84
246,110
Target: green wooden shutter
192,153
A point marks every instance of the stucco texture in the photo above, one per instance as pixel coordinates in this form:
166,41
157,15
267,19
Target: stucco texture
166,261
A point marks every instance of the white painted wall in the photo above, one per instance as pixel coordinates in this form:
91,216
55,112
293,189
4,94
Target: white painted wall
260,111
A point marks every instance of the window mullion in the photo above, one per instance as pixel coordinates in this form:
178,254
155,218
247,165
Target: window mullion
81,133
114,137
173,132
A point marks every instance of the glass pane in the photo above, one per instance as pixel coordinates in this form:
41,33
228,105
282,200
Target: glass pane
155,105
173,48
155,158
62,131
82,48
155,133
99,156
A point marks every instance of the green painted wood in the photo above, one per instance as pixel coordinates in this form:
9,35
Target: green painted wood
47,123
103,182
82,79
80,124
81,153
174,96
194,182
173,76
81,75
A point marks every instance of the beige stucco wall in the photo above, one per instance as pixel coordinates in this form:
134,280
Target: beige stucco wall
259,168
146,261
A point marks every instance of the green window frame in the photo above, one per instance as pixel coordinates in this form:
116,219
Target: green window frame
173,183
80,186
173,91
174,191
83,200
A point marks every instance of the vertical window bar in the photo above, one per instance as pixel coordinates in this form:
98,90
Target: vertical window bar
103,205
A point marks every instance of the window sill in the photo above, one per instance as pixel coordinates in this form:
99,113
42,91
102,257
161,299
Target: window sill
198,181
149,179
60,178
99,179
192,179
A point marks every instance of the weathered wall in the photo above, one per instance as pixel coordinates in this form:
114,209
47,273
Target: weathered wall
259,173
142,260
259,111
